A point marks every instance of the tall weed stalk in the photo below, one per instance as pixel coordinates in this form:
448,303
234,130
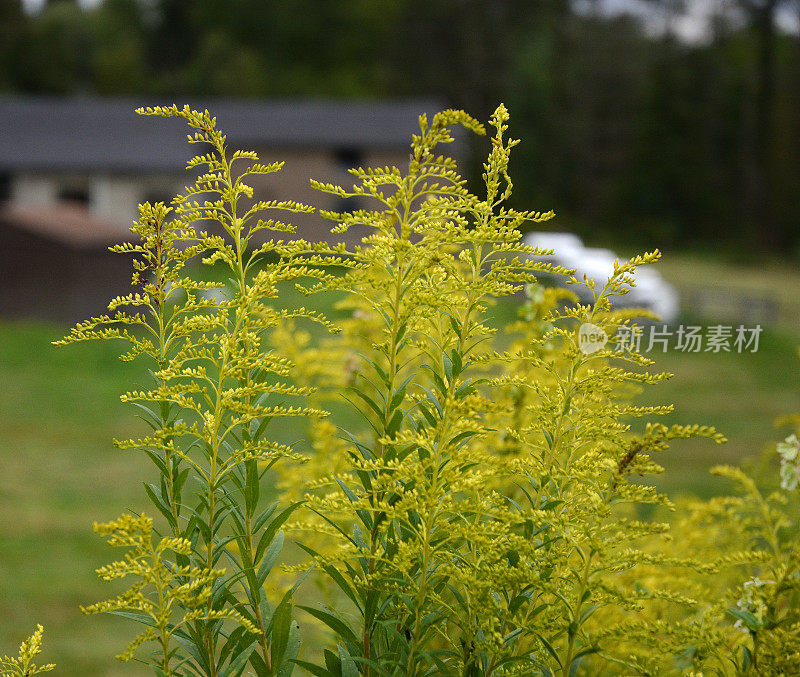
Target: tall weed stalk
215,390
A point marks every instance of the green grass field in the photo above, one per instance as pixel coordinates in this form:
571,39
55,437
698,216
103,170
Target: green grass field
59,472
60,409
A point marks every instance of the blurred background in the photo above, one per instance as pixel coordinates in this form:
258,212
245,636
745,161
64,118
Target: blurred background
644,123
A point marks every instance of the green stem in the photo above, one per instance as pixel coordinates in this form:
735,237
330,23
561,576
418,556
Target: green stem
433,492
256,607
162,362
574,625
388,411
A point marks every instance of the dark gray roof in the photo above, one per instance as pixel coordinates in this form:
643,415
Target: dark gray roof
105,134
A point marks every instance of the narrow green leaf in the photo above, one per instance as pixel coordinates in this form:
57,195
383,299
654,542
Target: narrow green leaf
432,398
348,666
270,557
153,493
273,528
549,648
281,624
447,362
750,620
368,401
252,488
395,423
455,358
237,665
334,623
292,649
317,670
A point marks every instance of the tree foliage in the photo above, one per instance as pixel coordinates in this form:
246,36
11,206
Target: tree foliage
638,134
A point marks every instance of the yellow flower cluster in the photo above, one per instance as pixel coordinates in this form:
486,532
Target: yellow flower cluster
23,664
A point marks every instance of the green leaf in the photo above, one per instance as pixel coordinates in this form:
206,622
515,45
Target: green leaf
334,623
262,426
397,398
378,369
513,558
317,670
395,423
447,362
587,613
153,493
455,357
435,401
180,480
437,380
517,601
347,490
130,615
238,640
292,649
463,436
586,651
348,666
251,486
241,659
454,325
273,528
549,648
573,667
750,620
157,460
337,577
358,538
364,450
747,658
281,625
369,401
332,662
428,414
270,557
401,332
259,521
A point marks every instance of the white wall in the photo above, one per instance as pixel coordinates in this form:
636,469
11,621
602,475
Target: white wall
31,190
115,199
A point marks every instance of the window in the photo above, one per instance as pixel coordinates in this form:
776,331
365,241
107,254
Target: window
348,158
5,186
74,194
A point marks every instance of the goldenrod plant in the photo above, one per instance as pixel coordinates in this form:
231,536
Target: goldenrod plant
410,502
480,510
215,389
444,567
23,664
162,588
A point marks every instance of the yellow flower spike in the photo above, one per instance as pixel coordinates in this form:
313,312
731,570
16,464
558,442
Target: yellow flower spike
23,664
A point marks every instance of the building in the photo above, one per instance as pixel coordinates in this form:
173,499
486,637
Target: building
72,172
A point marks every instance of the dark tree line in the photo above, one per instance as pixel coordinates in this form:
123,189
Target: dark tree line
629,133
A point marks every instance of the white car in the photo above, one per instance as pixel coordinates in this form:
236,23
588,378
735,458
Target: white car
651,292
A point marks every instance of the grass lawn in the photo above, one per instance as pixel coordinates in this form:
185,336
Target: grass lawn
60,409
740,394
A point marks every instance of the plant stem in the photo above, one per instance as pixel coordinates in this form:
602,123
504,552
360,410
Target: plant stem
572,631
